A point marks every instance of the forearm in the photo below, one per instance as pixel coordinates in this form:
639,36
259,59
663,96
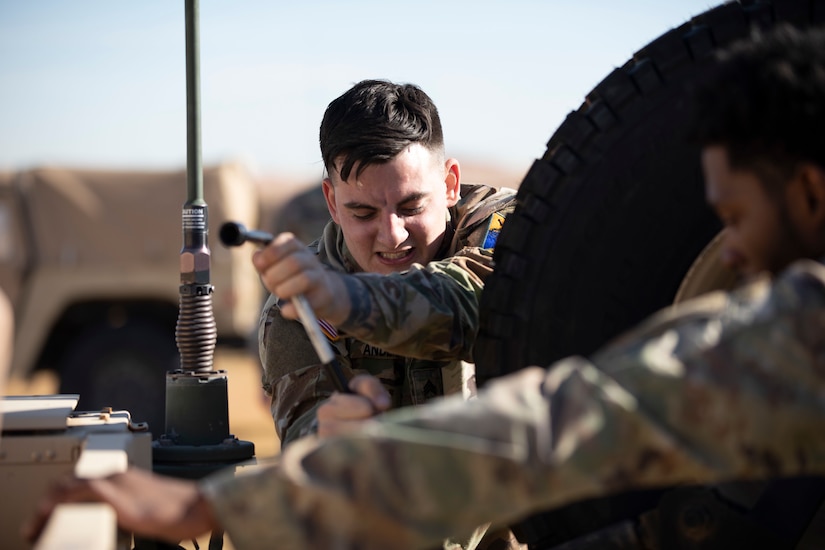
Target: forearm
427,312
349,492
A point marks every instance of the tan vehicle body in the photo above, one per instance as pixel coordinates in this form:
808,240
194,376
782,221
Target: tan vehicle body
86,255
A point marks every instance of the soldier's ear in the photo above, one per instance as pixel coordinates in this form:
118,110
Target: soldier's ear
329,196
810,180
453,180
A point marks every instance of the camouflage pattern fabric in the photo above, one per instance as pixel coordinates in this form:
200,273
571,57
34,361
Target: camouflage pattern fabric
414,331
728,386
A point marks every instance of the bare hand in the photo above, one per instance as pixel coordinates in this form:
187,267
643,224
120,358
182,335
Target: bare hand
146,504
344,412
288,268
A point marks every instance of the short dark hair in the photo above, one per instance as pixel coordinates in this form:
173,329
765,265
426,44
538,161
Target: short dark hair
374,121
765,102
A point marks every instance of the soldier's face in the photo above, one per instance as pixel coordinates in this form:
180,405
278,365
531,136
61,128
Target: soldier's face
765,230
395,214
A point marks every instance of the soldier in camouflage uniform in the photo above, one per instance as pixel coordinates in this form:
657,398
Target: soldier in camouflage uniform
728,386
397,205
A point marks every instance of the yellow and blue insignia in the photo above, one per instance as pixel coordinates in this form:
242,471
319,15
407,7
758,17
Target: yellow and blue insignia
496,223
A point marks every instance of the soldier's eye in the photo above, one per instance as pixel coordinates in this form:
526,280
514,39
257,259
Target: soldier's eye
412,211
363,215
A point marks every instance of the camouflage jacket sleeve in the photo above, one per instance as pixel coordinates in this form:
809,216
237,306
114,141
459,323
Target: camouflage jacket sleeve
728,386
428,312
292,376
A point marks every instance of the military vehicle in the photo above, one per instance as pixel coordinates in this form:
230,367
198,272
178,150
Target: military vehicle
90,260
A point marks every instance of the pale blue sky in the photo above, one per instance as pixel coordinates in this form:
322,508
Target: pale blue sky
102,82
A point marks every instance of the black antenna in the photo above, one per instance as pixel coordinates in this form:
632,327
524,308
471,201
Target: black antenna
196,333
196,441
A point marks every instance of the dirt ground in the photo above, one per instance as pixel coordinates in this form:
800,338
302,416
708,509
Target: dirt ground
249,418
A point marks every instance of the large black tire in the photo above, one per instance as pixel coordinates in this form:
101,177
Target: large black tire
610,219
123,368
608,222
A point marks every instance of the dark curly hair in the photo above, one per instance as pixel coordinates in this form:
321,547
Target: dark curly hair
765,103
374,121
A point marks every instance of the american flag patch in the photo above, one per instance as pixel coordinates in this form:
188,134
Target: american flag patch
329,331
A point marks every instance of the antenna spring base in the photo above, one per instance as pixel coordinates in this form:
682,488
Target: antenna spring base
196,333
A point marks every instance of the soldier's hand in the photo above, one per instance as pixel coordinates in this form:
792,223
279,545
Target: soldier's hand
287,268
146,504
342,413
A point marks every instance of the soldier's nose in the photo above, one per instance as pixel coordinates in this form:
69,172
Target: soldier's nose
393,232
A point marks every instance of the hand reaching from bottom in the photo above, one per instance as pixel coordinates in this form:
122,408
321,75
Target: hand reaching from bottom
146,504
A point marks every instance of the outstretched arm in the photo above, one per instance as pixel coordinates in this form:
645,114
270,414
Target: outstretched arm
146,504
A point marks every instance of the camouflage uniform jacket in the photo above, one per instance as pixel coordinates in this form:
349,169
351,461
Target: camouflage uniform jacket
725,386
422,328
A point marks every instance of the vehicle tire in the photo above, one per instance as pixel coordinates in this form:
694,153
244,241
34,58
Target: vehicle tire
608,223
123,368
610,219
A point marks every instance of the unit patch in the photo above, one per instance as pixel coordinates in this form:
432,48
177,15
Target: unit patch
496,223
